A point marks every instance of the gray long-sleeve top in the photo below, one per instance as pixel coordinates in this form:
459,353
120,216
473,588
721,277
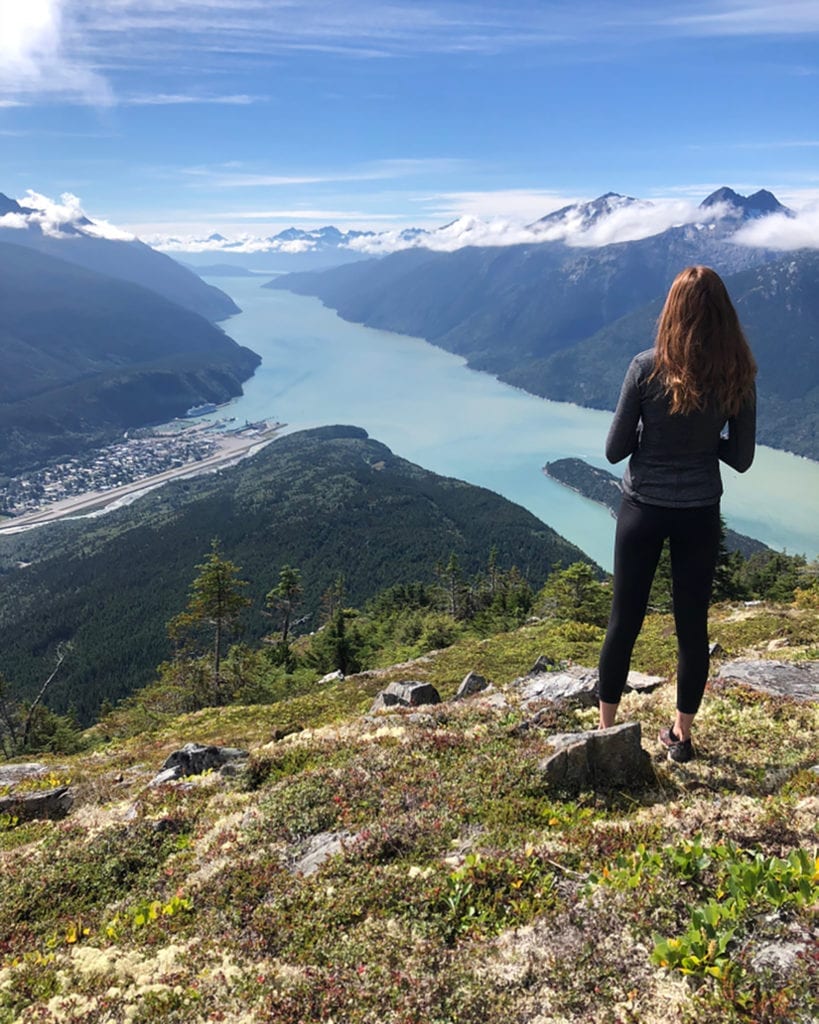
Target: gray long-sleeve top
675,458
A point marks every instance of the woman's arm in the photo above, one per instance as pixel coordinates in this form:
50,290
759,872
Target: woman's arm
737,449
622,439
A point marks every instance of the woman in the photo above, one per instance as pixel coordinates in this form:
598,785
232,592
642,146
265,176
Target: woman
675,402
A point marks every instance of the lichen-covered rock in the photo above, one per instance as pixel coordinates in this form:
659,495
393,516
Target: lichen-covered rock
575,685
318,849
410,694
598,759
798,680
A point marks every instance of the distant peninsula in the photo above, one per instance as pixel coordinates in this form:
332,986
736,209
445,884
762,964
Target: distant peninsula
225,270
603,487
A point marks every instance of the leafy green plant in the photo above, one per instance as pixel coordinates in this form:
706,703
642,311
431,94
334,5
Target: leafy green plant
144,913
484,896
703,949
748,883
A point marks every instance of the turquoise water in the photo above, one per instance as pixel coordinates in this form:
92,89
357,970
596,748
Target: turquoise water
430,408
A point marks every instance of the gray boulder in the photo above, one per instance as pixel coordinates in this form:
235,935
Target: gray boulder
471,683
45,803
798,680
410,694
598,759
195,758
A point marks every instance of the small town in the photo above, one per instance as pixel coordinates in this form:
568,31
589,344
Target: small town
140,455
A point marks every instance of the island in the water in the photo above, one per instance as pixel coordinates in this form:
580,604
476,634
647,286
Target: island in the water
603,487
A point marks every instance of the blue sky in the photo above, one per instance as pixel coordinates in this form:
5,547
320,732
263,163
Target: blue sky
186,116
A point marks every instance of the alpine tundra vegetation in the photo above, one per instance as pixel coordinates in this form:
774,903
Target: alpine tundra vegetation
414,866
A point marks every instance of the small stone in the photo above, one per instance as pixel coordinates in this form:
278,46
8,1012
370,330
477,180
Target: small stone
422,720
194,759
640,682
332,677
471,683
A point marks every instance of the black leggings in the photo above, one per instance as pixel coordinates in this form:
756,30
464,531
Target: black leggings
694,536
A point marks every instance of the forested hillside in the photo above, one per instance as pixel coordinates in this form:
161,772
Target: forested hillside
778,305
330,501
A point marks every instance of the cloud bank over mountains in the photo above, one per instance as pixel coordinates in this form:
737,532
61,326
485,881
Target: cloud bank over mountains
609,219
62,218
606,220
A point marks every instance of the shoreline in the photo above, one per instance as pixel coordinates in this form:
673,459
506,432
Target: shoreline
232,448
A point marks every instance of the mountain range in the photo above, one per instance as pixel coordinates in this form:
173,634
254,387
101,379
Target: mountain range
66,233
100,334
609,218
563,321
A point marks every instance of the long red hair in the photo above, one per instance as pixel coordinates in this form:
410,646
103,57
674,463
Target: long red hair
701,354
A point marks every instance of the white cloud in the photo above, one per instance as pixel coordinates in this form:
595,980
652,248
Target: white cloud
165,99
17,221
54,217
781,232
624,221
33,55
516,204
629,222
601,222
749,17
233,175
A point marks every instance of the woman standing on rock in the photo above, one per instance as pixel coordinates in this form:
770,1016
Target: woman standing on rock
674,405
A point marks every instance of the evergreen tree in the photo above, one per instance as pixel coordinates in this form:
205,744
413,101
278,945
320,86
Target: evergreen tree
215,605
285,597
575,594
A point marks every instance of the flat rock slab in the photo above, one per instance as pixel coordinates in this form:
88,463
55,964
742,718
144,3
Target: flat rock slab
598,759
641,682
577,685
11,774
798,680
45,803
